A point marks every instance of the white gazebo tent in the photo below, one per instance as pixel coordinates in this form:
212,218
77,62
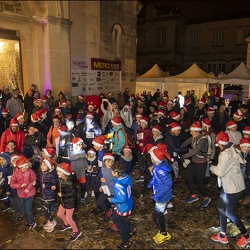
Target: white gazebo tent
194,78
239,76
152,80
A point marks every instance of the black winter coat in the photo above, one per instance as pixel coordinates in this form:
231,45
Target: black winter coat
49,179
68,189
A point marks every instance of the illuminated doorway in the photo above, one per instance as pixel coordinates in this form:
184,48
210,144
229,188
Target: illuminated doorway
10,69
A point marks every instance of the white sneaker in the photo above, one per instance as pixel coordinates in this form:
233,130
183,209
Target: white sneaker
92,193
51,226
170,205
165,212
46,225
86,194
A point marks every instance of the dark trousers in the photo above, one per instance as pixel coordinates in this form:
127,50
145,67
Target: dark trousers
91,180
195,174
46,205
123,227
226,207
27,204
103,203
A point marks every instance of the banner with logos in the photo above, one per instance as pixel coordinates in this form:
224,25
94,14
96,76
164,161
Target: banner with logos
92,76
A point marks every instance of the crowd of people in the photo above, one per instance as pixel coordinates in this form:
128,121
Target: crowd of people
64,150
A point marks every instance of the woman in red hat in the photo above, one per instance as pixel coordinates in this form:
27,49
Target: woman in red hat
197,167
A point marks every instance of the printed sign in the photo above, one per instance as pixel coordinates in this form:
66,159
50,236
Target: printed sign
92,76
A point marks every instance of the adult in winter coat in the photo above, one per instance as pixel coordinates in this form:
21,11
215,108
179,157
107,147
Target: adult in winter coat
197,168
14,104
231,181
12,133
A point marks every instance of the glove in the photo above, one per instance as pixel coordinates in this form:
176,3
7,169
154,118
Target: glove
186,163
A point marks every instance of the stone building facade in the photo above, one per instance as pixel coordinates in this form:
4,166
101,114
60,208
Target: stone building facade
169,39
48,34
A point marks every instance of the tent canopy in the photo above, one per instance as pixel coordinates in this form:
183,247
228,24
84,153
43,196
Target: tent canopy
154,72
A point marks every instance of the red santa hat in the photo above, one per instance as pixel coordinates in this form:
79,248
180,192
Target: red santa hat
238,114
76,140
91,104
35,117
165,96
69,117
142,96
50,152
57,110
5,111
202,101
118,92
108,156
174,126
22,161
19,116
62,128
206,122
174,115
44,98
64,168
101,95
91,151
161,112
49,164
231,124
14,156
138,115
222,138
210,110
116,121
196,126
63,103
109,93
245,142
81,97
246,130
162,146
14,122
158,155
127,148
89,115
157,128
99,141
144,119
148,148
170,102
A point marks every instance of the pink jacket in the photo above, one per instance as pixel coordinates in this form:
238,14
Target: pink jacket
19,177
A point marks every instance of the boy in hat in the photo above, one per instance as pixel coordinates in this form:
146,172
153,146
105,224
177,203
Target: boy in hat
127,160
161,185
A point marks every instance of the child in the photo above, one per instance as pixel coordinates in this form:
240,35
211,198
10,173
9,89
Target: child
79,164
11,148
15,200
161,185
123,203
127,160
47,182
5,172
234,135
92,170
24,180
107,185
68,199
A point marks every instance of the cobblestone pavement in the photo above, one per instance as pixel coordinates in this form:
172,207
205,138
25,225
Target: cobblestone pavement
190,226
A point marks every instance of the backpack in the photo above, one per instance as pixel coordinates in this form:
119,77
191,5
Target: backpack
129,136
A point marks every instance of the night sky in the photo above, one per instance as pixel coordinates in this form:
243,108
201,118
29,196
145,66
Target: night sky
197,9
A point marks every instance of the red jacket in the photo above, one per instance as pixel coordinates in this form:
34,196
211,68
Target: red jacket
8,135
19,177
143,136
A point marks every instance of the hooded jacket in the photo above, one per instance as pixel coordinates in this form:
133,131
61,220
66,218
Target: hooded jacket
122,194
228,169
161,182
9,135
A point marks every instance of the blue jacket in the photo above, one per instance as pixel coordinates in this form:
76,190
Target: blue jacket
161,183
122,194
49,179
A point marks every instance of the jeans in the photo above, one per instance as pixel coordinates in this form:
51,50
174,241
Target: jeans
226,207
196,173
16,205
123,227
27,204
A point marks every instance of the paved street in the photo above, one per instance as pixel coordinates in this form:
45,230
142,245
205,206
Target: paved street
189,224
